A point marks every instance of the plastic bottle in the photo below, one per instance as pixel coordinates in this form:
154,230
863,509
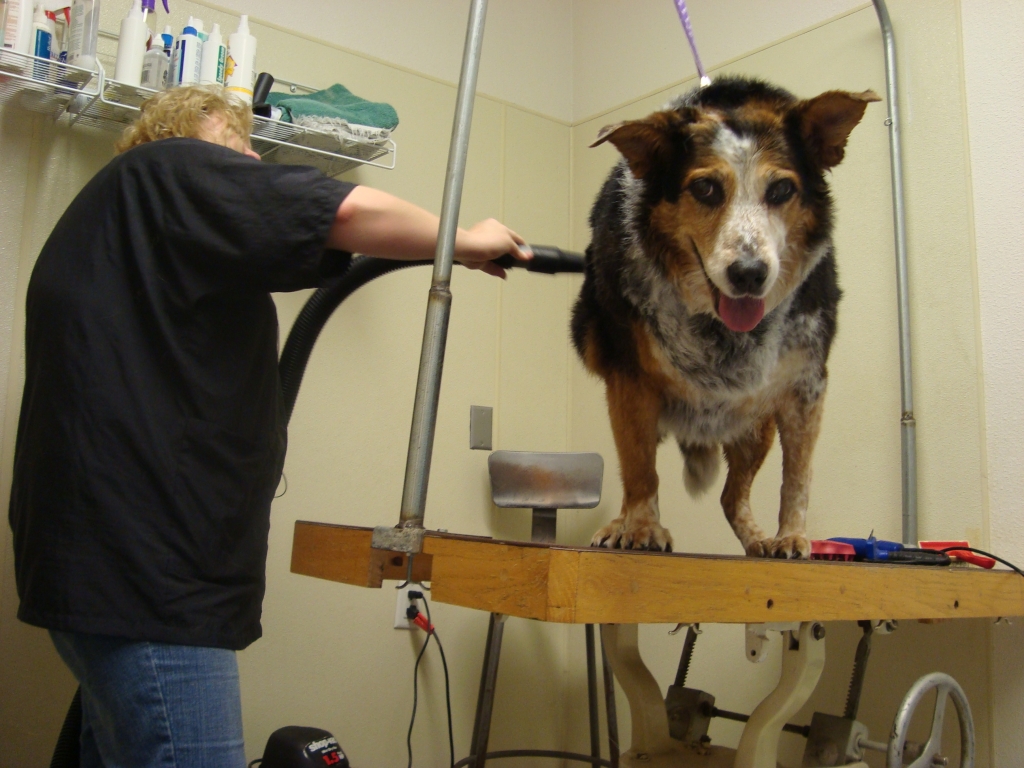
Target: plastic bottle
17,29
187,57
215,54
240,72
42,33
42,42
198,24
85,29
157,61
131,46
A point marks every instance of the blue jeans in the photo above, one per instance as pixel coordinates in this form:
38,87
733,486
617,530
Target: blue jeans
153,705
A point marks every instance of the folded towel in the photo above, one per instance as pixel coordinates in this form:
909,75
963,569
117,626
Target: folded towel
336,105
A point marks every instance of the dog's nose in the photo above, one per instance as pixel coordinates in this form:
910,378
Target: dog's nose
747,275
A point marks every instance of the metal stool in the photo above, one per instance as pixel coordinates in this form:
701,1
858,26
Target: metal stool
545,482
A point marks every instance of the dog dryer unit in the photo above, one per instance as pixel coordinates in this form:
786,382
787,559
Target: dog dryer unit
296,746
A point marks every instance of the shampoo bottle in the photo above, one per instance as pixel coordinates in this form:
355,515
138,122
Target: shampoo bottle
17,29
131,46
240,72
42,42
211,71
157,61
85,29
42,33
187,57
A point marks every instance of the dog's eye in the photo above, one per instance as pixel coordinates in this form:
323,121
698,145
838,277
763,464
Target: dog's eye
780,191
707,191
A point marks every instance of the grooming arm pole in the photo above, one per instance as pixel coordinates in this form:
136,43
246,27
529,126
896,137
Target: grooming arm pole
908,435
435,333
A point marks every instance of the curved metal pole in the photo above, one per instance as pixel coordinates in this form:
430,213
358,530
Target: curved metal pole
908,434
435,333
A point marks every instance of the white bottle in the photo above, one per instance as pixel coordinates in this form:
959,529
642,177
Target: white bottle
215,54
187,57
131,46
240,72
42,33
42,42
85,29
157,61
17,30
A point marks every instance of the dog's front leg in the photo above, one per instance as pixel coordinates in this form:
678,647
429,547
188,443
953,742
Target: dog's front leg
799,420
635,410
744,457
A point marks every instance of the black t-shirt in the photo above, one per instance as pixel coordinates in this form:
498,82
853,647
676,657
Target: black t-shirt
151,437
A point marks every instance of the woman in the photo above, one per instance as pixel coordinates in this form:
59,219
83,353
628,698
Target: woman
151,439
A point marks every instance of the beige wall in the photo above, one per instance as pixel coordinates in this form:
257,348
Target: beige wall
329,656
993,64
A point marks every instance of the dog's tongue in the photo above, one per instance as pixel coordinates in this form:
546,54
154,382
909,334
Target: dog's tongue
740,314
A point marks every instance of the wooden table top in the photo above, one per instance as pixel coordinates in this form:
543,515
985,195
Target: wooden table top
582,585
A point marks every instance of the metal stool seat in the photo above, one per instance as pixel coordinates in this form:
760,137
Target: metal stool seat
545,483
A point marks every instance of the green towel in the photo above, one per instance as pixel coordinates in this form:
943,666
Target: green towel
337,103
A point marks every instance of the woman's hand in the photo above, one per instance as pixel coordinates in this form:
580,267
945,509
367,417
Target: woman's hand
478,246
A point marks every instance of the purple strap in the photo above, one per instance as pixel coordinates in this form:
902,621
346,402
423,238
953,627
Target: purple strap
684,16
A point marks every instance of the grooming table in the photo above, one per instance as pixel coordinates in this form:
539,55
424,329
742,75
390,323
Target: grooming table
583,585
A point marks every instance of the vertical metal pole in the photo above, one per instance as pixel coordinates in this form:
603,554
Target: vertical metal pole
908,435
488,684
609,706
435,333
595,727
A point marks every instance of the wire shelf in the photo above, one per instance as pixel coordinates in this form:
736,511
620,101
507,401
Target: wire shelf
41,85
76,96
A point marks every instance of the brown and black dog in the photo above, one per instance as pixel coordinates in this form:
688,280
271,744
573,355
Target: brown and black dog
710,296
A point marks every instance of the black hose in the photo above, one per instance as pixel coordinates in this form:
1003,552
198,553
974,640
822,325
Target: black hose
316,312
321,305
66,753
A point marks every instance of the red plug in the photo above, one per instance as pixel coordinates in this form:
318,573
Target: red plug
416,617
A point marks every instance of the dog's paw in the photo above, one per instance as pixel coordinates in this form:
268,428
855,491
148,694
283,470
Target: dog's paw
795,547
759,548
785,548
633,534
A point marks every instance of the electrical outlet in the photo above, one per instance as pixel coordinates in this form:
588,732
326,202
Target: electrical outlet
402,602
481,419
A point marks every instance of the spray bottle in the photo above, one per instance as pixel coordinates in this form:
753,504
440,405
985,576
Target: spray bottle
187,56
240,72
85,29
211,71
131,46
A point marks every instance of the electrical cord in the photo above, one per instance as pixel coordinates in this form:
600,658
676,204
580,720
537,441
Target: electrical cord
415,696
983,553
431,633
447,684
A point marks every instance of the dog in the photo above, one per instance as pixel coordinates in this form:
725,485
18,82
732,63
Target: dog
708,305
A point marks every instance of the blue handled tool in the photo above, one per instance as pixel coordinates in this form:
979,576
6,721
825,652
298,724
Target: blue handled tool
875,550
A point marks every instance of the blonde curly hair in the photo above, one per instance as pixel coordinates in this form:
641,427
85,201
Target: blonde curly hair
182,112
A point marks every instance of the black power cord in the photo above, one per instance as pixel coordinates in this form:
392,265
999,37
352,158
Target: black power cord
412,612
415,695
983,553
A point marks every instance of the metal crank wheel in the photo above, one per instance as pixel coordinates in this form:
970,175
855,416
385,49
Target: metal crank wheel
928,755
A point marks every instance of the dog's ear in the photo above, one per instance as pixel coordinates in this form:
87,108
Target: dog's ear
826,121
642,142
